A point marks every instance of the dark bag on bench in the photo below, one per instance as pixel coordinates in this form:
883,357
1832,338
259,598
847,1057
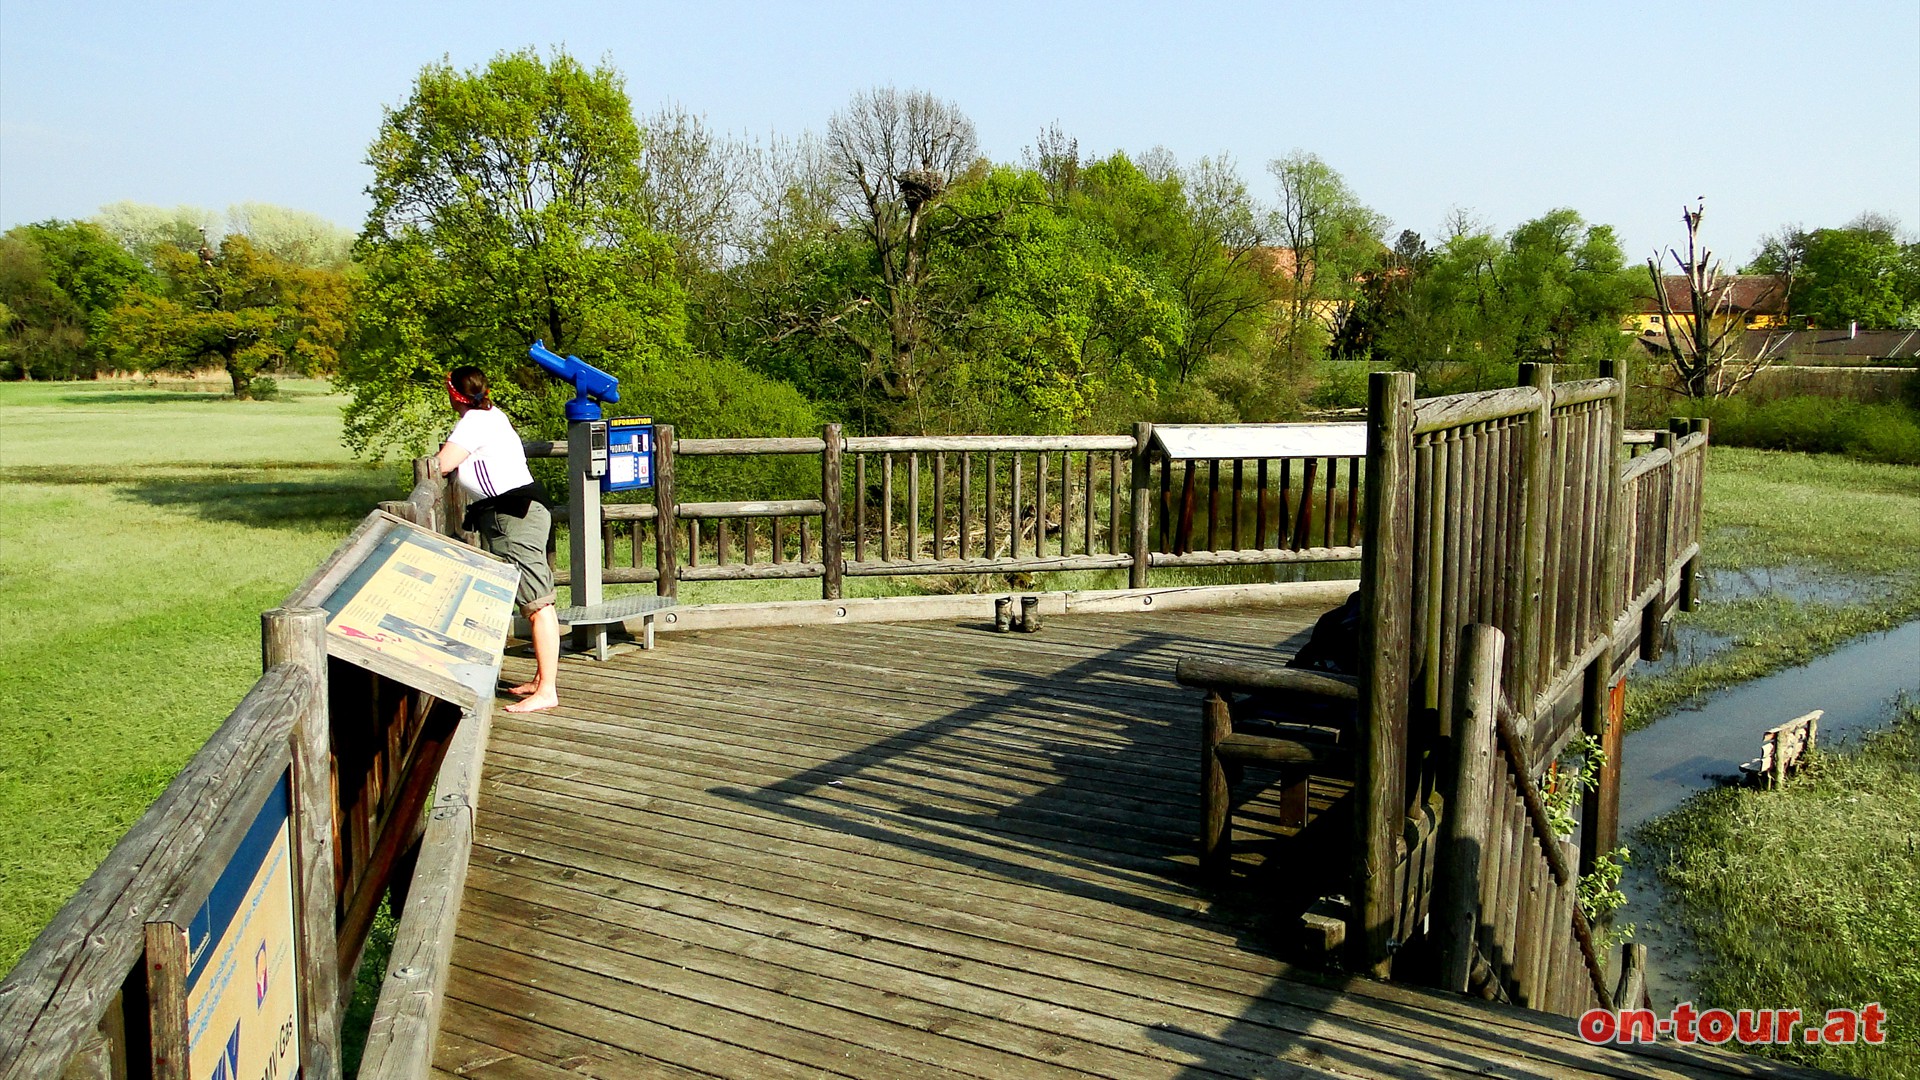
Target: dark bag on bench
1334,644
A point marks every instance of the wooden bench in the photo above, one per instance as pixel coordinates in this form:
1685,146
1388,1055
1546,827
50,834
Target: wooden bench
1296,721
1782,749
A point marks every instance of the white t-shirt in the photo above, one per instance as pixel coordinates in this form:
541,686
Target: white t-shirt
496,462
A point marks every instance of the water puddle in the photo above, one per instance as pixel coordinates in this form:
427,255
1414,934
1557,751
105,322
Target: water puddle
1796,583
1690,750
1687,645
1695,749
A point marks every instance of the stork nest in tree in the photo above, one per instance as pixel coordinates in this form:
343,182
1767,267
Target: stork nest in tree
919,187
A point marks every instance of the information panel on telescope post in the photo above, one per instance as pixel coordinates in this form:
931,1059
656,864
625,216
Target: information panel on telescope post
629,453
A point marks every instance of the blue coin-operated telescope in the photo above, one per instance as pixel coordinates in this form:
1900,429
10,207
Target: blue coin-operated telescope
586,472
591,385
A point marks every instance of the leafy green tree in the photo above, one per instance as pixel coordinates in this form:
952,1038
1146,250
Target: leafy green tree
238,308
507,208
58,281
1197,233
1858,274
1330,239
1553,289
1861,273
1055,319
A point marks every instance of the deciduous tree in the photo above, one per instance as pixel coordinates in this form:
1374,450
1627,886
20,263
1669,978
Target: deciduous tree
239,308
58,281
1331,237
895,154
507,208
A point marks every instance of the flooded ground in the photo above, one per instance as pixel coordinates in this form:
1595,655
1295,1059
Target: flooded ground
1691,750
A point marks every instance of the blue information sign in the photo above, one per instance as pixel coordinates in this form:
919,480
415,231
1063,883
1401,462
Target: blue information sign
629,453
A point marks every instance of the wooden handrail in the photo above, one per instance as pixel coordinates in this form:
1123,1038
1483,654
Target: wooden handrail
70,976
1240,677
1514,752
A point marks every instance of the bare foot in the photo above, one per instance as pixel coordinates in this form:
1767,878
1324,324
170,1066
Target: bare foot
524,689
535,703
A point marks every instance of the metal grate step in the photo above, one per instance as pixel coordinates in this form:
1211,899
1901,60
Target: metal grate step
618,609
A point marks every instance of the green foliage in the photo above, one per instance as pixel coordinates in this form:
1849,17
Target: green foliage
1871,432
717,398
1329,239
1462,315
58,281
1600,896
109,691
506,209
1861,273
240,309
1809,897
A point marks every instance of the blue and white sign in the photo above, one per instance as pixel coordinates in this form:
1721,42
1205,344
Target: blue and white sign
629,454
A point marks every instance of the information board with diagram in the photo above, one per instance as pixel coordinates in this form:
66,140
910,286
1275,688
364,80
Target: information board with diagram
427,610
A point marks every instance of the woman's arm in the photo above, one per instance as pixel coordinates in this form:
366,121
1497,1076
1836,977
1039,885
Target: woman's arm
450,457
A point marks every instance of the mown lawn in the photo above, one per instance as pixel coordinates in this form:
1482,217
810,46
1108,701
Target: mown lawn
146,529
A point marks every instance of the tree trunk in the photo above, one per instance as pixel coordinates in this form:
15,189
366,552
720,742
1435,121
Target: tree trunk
242,380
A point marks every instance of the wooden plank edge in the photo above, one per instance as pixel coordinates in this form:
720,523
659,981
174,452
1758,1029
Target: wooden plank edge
980,605
405,1028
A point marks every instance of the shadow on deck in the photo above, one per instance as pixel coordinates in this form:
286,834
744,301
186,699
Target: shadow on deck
918,849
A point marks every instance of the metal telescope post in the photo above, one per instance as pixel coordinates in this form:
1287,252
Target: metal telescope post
586,464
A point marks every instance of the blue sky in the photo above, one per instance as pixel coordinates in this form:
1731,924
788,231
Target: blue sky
1777,113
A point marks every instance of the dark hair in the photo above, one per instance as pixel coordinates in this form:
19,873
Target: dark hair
472,384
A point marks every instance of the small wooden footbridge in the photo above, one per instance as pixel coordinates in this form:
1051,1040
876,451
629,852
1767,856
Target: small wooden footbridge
883,837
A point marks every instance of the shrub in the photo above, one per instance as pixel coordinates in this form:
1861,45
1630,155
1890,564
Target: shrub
718,398
1886,432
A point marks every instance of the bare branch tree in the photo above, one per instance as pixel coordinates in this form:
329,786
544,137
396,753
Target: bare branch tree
694,186
1702,344
894,154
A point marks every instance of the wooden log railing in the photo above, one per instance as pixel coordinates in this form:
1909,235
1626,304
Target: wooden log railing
1521,511
981,504
1258,510
360,755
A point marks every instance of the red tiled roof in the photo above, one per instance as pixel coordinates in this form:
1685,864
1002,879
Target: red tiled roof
1747,294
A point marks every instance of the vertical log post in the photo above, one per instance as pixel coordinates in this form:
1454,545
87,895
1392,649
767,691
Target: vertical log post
666,523
1469,801
1631,990
1142,507
1216,723
426,470
299,636
1536,468
832,562
1386,585
1600,803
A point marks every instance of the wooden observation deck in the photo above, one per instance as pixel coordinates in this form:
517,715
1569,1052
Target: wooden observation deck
876,838
918,849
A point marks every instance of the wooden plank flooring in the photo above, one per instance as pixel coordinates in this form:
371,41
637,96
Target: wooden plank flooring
913,850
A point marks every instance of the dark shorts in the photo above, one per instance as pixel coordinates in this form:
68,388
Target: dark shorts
521,541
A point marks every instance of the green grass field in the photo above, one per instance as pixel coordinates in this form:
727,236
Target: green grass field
146,529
